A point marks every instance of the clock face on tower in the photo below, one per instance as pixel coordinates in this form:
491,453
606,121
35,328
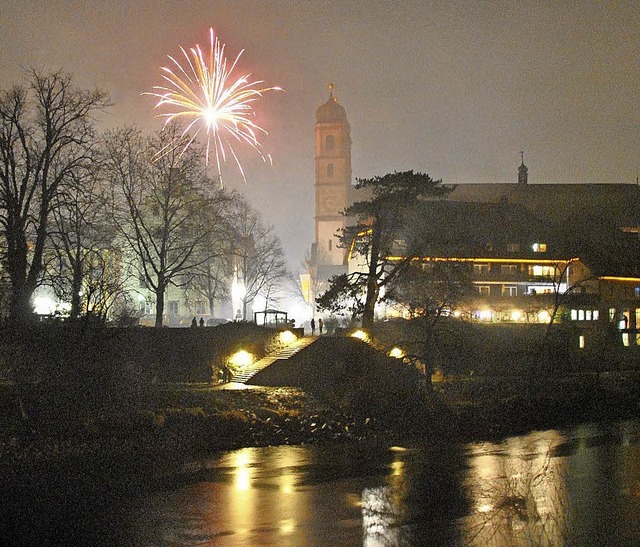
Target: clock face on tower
330,201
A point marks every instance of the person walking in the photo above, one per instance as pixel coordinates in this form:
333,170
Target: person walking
313,326
320,325
194,322
202,322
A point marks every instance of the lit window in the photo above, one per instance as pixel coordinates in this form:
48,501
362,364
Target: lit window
542,271
588,315
625,339
574,315
623,320
581,341
612,313
637,291
580,315
596,315
539,247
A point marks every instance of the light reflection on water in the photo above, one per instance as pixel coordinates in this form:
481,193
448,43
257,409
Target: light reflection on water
577,487
574,487
546,488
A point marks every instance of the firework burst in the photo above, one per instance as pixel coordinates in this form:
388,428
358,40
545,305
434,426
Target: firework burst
205,96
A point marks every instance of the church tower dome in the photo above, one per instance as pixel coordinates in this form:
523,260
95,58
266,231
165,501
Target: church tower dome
331,111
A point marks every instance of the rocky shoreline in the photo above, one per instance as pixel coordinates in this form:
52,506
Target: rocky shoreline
341,390
144,441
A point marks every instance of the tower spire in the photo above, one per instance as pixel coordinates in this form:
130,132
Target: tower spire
331,87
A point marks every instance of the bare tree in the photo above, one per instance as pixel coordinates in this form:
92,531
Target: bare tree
210,281
166,217
46,134
86,270
258,261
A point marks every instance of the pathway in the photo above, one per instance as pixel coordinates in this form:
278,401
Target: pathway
244,375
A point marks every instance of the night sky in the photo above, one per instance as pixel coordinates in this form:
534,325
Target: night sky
454,89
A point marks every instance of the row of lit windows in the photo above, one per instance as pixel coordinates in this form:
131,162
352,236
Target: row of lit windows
516,247
508,316
512,269
584,315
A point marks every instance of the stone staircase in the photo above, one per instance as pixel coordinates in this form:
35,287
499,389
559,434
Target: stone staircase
246,374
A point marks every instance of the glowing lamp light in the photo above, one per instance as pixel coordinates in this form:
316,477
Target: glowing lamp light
544,316
241,359
44,305
457,314
238,290
516,315
485,315
287,337
397,353
360,335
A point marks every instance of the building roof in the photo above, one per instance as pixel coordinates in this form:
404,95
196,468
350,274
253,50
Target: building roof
507,230
331,111
619,203
474,229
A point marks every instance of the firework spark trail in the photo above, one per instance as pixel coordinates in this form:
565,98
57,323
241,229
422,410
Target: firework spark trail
202,94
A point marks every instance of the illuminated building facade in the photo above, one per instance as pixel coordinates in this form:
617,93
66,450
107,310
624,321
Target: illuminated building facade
333,193
529,252
332,185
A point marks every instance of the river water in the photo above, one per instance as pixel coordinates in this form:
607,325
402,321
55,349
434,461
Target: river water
578,486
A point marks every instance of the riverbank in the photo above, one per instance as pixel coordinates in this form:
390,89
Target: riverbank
339,390
180,423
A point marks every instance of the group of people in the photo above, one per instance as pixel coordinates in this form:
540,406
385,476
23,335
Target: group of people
313,325
194,322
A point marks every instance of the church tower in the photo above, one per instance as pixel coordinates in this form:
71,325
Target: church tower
333,182
523,172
